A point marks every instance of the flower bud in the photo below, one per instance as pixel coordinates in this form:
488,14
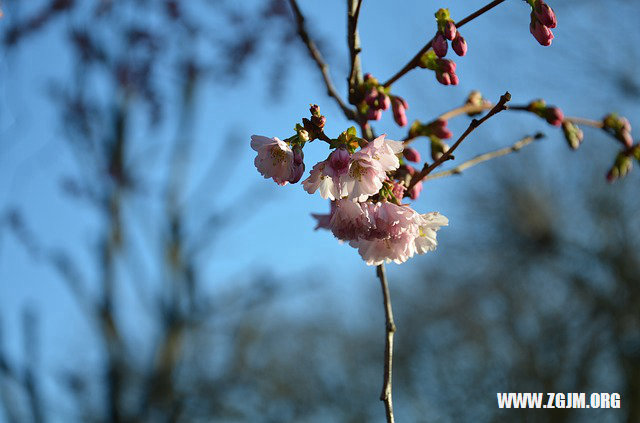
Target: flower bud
298,155
374,114
621,167
315,110
572,134
384,102
459,45
440,45
411,154
414,192
443,78
545,14
303,135
371,96
439,128
319,121
339,160
450,30
438,148
398,190
399,106
540,32
554,116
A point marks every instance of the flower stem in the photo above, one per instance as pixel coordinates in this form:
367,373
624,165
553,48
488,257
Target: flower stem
385,396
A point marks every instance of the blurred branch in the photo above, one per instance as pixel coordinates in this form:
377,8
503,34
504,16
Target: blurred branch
427,169
320,62
385,395
487,156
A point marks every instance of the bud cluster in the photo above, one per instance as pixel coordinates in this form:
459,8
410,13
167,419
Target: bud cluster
377,98
619,127
447,31
553,115
542,20
445,69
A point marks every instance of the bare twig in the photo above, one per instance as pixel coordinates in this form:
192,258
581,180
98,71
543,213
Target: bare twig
385,396
427,169
416,59
487,156
320,62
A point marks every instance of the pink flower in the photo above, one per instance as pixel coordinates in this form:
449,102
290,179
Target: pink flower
326,176
322,220
378,251
275,160
399,233
384,151
350,220
428,226
440,45
459,45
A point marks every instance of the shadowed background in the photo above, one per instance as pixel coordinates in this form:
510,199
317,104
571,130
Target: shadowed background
149,273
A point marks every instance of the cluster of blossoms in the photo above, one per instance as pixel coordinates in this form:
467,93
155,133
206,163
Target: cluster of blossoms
542,20
365,182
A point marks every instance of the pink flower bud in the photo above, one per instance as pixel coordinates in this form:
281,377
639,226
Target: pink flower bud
443,78
454,79
398,190
371,96
384,102
440,45
540,32
414,193
339,161
446,65
297,172
554,116
440,130
399,106
459,45
450,30
411,154
374,114
545,14
298,155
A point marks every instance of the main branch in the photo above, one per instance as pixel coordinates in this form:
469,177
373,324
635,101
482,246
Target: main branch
385,396
319,60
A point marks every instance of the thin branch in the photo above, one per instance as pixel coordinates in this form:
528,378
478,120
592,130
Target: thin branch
355,74
416,59
385,396
320,62
427,169
487,156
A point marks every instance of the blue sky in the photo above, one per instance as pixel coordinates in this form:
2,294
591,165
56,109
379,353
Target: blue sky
278,237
